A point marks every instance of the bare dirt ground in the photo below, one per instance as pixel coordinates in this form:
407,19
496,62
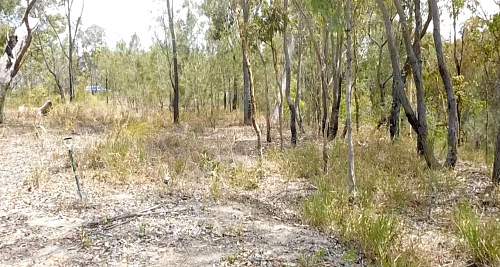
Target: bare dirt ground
42,223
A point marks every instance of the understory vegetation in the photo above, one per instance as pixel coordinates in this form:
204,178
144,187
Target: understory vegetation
390,199
397,197
372,123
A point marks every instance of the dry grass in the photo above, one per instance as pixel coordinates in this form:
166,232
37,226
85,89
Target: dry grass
398,199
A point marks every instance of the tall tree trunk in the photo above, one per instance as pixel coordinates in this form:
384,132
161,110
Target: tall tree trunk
247,105
287,48
399,86
337,92
234,102
3,95
421,107
175,101
12,58
451,159
280,84
298,97
268,101
414,54
70,53
496,165
395,111
324,81
243,27
458,65
349,21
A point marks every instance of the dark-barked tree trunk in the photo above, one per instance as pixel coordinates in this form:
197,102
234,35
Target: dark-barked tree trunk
496,164
400,94
247,105
451,158
175,82
337,92
287,47
414,54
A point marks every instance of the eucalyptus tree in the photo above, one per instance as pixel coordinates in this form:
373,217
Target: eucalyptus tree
451,158
244,31
413,52
288,50
73,28
51,55
317,6
92,42
7,12
11,60
337,77
175,78
399,86
349,22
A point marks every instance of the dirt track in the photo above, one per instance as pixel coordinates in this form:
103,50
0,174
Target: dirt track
43,224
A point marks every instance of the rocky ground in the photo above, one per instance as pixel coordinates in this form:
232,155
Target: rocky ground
42,222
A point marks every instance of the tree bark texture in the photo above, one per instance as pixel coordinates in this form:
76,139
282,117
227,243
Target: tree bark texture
399,86
451,158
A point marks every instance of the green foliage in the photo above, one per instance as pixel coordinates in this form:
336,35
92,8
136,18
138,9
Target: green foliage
7,7
482,239
301,163
317,259
270,22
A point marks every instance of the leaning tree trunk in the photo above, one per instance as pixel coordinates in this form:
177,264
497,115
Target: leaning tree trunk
451,159
496,165
399,86
414,55
349,21
12,58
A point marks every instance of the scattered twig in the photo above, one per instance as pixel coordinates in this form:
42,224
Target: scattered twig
143,213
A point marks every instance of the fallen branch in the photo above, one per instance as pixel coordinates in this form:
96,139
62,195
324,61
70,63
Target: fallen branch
143,213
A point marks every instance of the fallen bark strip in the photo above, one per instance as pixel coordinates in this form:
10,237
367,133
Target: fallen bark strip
108,222
105,220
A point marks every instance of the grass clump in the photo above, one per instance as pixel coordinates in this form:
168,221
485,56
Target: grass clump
300,163
378,236
244,178
124,153
480,237
392,185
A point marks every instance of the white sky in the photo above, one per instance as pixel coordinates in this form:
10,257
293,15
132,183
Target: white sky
122,18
